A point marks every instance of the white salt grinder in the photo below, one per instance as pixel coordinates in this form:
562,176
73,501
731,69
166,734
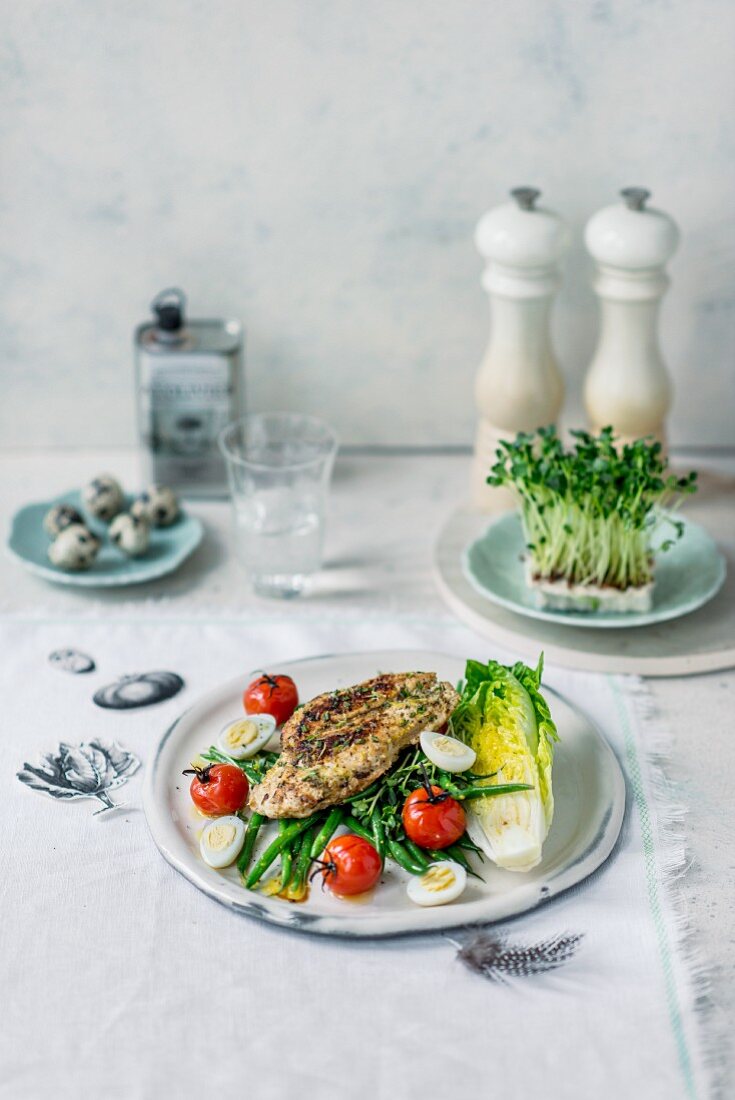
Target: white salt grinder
518,385
627,383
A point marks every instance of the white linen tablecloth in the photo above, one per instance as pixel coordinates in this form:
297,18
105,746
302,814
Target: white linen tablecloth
121,980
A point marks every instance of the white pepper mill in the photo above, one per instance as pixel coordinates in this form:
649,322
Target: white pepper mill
518,386
627,383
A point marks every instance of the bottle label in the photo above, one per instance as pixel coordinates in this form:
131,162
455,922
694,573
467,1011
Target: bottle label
184,404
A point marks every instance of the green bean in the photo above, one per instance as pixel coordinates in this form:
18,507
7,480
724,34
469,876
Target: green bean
456,853
295,852
325,834
276,846
403,858
297,887
251,835
490,792
304,861
458,856
446,782
418,855
254,774
469,846
367,793
355,827
376,825
286,854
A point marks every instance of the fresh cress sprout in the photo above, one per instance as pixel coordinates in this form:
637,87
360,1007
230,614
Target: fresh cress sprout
589,513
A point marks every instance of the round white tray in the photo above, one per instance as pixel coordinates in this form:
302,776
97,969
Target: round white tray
701,642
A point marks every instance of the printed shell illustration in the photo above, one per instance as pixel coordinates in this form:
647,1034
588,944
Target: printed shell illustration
71,660
138,690
89,770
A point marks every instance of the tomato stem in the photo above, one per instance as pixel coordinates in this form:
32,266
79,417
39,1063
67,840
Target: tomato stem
203,774
324,868
427,785
269,680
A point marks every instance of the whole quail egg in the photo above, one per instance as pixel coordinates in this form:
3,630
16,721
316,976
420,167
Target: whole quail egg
158,504
74,548
59,517
130,533
104,497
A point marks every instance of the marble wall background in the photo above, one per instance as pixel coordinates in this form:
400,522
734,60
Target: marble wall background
316,167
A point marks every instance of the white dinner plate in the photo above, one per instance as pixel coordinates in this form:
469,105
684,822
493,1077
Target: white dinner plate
589,794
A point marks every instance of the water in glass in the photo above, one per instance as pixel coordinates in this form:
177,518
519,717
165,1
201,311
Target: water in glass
279,540
279,465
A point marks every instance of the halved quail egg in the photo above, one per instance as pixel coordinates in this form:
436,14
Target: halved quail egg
244,737
221,841
446,752
443,882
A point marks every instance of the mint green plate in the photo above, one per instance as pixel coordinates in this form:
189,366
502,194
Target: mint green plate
687,576
169,547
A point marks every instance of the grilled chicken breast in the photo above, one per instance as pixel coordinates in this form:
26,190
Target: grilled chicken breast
337,744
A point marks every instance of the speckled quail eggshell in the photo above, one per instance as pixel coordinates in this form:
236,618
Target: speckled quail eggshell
158,504
131,534
74,549
103,497
59,517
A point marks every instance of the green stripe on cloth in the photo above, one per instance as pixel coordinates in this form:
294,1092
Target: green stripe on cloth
652,886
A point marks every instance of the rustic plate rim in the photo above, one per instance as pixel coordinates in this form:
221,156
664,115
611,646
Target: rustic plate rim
274,911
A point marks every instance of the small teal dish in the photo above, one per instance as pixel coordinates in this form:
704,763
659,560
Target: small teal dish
169,547
687,576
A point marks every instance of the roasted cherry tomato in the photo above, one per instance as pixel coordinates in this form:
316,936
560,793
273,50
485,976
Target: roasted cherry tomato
349,865
218,789
433,820
275,695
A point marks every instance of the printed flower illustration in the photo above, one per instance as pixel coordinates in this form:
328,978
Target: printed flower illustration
88,770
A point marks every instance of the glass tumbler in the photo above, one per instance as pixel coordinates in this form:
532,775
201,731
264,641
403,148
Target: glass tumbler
278,467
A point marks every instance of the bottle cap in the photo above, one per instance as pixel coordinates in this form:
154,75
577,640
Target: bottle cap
169,307
630,234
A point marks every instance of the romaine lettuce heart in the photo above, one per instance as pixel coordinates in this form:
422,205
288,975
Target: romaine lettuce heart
505,719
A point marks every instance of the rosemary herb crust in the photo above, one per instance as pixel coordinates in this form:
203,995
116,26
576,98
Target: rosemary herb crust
339,742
